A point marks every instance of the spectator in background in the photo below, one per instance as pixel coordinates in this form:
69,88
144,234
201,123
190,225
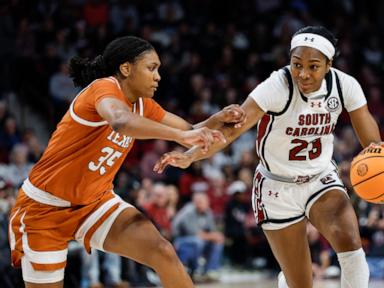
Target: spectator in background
321,253
195,236
352,143
144,193
373,227
157,209
211,170
62,91
149,159
127,186
218,197
173,194
215,164
9,134
4,113
65,49
236,212
35,147
96,12
191,181
247,160
123,14
246,175
375,100
8,276
246,142
19,167
97,263
25,39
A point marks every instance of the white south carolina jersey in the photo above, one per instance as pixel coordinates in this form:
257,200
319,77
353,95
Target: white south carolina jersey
294,137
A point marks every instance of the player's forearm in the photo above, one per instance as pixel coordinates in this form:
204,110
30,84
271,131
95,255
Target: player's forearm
230,133
212,122
142,128
367,131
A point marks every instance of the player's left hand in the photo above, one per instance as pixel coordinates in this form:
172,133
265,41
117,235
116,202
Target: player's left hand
232,114
373,145
376,144
173,158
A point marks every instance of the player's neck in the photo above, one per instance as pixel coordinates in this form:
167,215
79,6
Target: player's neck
128,93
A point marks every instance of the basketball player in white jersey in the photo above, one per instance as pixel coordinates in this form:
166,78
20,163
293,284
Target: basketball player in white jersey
296,181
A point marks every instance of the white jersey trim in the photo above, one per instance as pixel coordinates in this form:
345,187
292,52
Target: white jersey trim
114,80
40,257
141,107
43,197
100,123
87,122
98,238
91,220
83,121
43,277
12,237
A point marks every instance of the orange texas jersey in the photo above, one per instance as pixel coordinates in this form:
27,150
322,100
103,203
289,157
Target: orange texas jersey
85,153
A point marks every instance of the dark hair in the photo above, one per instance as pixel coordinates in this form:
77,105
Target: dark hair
322,31
124,49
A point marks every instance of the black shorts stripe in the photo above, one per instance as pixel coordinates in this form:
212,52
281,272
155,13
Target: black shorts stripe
318,192
333,162
279,221
264,140
287,220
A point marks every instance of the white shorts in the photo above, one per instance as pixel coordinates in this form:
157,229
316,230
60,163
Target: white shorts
278,204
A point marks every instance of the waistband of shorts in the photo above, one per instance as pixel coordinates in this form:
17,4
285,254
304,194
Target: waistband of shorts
297,180
43,197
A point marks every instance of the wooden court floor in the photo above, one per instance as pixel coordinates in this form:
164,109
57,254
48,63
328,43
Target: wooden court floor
272,283
259,279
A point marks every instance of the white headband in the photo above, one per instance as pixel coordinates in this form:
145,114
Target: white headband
314,41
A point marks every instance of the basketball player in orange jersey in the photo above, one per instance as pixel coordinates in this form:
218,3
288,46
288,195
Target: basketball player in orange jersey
296,181
68,194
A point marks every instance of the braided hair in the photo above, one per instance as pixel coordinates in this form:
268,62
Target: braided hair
124,49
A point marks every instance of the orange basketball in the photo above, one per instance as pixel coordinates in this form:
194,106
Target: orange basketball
367,174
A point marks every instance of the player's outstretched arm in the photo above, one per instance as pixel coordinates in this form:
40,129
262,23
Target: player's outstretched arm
253,114
232,114
123,121
365,126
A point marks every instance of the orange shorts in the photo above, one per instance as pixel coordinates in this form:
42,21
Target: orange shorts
39,233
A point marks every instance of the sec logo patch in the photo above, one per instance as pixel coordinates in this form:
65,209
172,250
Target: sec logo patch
332,104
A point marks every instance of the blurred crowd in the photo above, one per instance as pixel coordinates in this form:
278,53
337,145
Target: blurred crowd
213,54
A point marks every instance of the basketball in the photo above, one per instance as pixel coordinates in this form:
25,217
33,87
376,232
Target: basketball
367,174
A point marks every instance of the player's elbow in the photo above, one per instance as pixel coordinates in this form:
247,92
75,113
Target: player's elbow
122,124
118,126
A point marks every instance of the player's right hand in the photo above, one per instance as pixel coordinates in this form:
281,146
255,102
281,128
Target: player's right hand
232,114
203,137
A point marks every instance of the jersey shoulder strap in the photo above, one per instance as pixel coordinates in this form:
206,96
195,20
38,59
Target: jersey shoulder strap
339,90
290,86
